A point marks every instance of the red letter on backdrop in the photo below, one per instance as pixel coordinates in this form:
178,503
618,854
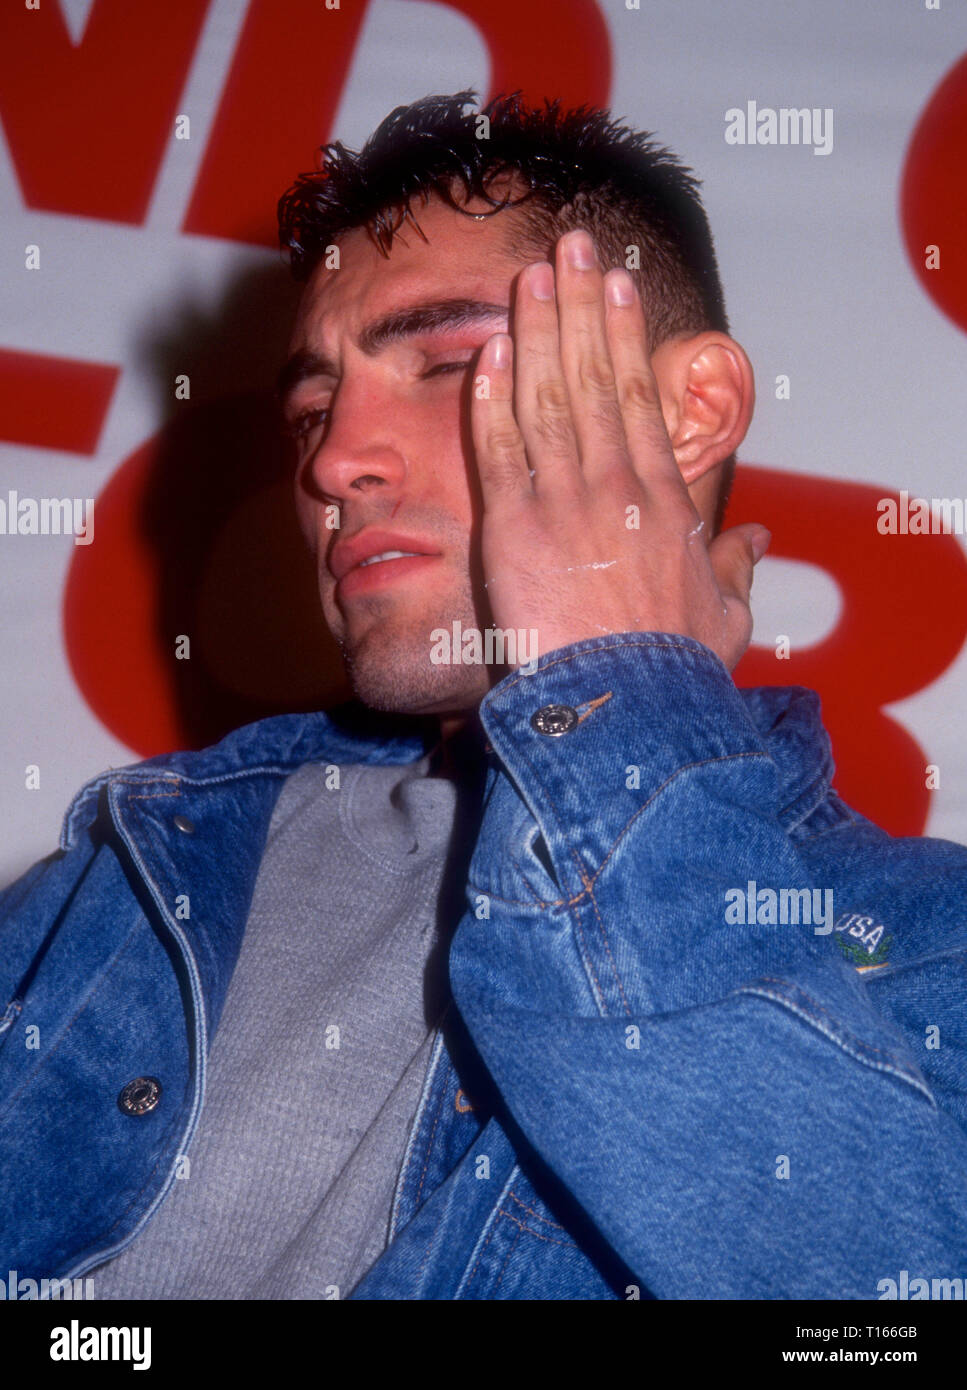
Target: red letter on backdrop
933,195
87,126
288,76
904,620
54,402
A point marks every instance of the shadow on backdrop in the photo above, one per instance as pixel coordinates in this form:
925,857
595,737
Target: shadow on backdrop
197,537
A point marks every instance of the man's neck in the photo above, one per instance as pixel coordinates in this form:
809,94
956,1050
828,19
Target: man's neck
461,744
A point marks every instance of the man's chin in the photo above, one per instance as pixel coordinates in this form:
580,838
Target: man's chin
401,681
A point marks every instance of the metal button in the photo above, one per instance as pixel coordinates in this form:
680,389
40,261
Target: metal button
554,720
185,825
140,1095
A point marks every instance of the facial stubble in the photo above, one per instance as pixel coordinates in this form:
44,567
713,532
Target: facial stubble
386,643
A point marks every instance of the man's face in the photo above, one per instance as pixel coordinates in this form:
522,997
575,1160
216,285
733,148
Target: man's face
377,392
382,410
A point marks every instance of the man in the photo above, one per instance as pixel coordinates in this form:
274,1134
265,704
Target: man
658,1074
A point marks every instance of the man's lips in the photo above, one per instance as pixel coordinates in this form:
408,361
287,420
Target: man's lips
366,579
347,559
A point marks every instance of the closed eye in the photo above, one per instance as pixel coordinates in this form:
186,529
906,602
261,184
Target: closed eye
443,367
308,420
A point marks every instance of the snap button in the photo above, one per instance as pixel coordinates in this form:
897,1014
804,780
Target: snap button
186,826
140,1095
554,720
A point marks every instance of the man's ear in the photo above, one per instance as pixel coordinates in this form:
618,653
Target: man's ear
707,391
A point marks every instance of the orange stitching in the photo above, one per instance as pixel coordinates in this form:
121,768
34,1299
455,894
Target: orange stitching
536,1214
523,902
503,1267
473,1272
591,705
535,899
462,1109
426,1164
580,930
173,782
569,1244
607,946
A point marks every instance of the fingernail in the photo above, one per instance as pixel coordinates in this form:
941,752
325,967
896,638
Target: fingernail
760,543
500,346
580,251
620,288
541,280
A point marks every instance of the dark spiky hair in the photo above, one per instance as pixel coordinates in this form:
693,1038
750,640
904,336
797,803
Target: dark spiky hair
560,168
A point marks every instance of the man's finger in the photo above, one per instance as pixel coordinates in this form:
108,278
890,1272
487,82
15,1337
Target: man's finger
733,556
649,446
542,404
588,369
497,441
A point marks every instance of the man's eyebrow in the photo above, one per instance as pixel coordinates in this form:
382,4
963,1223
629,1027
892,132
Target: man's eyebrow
392,328
300,366
428,318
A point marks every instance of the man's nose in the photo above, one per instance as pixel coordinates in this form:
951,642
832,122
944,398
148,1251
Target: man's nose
360,452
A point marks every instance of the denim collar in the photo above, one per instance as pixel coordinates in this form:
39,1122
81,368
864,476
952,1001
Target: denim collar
787,717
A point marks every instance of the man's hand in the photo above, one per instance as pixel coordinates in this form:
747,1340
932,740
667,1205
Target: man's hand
572,453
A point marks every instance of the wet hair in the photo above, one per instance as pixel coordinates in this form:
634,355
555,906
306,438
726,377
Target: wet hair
561,168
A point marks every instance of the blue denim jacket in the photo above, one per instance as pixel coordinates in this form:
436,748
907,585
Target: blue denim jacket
635,1095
